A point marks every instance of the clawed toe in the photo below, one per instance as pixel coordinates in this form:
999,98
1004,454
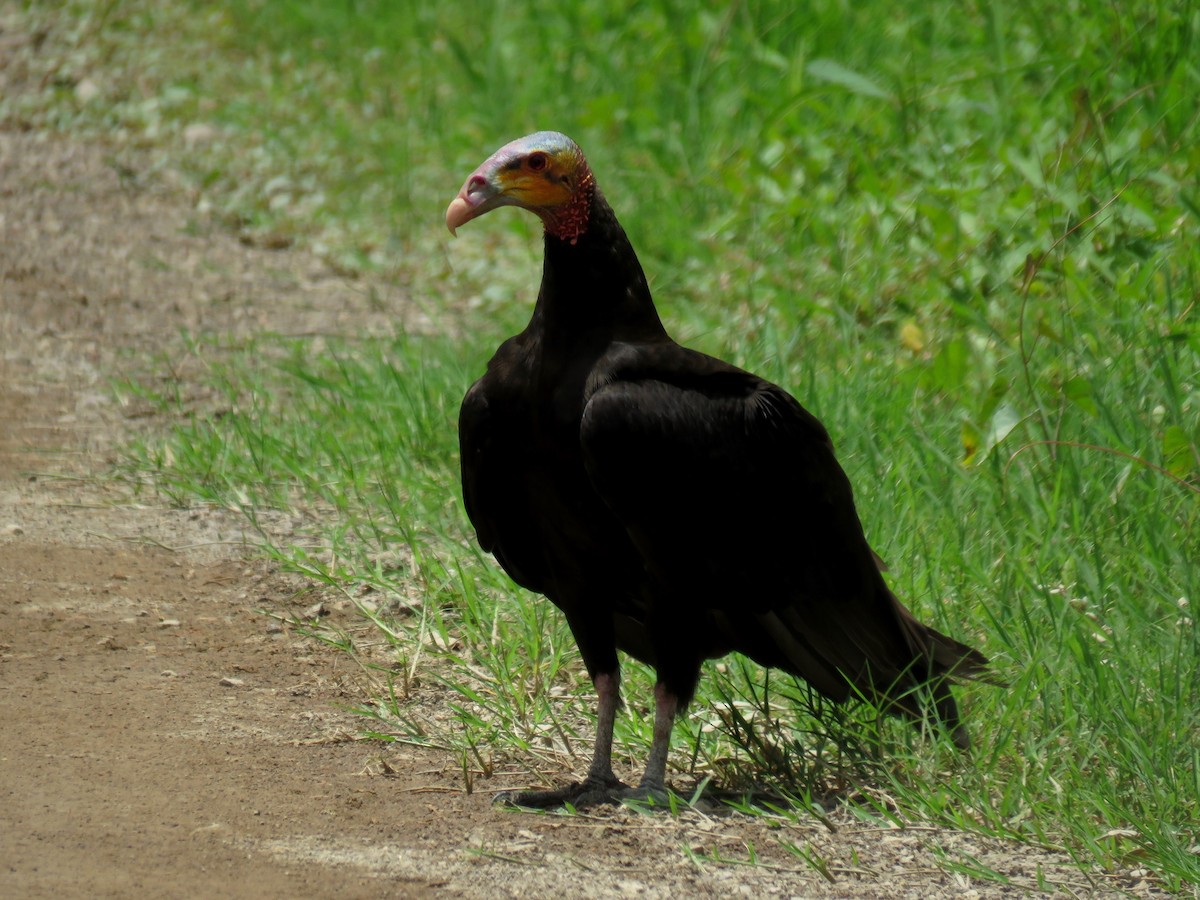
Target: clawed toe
579,794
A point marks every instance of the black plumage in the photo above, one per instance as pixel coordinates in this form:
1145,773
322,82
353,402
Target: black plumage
673,506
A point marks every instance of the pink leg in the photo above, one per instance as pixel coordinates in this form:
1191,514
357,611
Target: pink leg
601,785
608,692
666,705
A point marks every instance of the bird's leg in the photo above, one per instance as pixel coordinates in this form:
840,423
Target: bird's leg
601,785
653,785
608,694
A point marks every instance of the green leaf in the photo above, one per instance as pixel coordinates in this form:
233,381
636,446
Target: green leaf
972,440
1179,455
1002,424
836,73
951,366
977,443
1079,391
991,400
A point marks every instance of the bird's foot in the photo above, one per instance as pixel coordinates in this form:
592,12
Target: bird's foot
579,794
647,796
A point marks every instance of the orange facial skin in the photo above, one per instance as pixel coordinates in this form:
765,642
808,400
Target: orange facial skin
544,173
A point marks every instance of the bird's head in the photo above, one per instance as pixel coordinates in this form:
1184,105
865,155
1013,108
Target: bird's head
545,173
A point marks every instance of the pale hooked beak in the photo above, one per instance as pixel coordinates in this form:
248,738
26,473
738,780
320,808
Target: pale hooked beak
478,195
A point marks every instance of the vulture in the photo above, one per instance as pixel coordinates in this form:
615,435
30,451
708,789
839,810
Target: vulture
675,507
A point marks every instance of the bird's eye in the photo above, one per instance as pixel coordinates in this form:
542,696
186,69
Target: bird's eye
538,162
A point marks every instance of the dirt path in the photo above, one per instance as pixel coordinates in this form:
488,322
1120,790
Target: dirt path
159,736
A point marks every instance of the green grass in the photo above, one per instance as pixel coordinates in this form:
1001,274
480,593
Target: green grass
965,235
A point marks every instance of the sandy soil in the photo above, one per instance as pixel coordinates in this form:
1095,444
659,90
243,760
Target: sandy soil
160,735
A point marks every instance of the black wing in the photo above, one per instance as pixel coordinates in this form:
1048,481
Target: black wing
533,505
730,490
492,487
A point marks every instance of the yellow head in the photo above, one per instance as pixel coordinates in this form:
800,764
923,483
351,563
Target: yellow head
545,173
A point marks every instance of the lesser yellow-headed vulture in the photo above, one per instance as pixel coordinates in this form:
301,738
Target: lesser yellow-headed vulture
673,506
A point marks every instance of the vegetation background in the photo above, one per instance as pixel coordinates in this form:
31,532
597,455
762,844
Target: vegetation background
963,234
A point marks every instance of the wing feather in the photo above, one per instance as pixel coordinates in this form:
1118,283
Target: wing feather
731,492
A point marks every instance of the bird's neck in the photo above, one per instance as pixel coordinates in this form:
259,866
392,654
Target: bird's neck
593,287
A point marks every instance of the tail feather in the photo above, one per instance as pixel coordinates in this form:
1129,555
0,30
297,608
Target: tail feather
947,657
907,670
948,660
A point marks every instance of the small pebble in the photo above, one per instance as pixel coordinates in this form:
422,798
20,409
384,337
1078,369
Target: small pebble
86,90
